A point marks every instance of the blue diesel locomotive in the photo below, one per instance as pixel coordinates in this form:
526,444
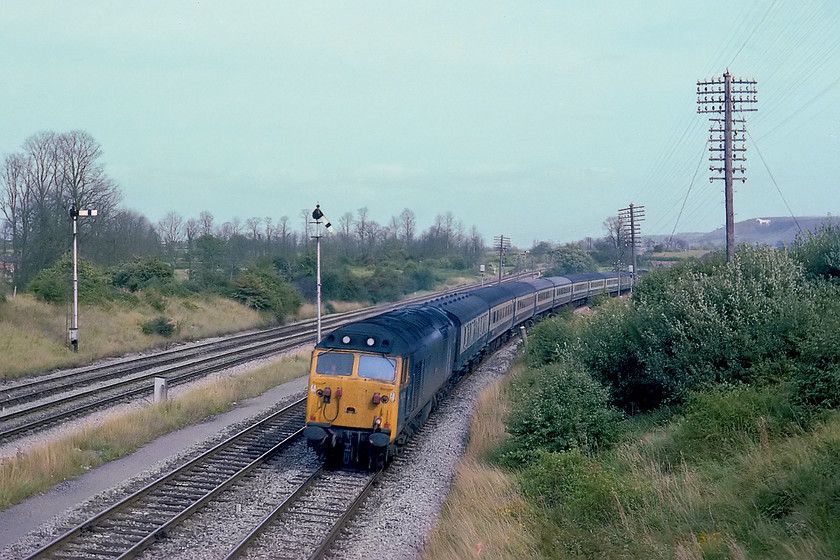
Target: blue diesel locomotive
374,382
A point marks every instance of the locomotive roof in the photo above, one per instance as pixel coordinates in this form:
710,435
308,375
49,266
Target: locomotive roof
396,332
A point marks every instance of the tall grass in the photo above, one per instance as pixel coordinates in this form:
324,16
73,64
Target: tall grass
39,468
33,333
483,516
668,489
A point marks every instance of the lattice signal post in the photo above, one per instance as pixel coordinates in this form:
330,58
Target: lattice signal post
724,97
630,217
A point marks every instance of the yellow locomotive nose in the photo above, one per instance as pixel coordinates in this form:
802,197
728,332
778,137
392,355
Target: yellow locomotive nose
354,390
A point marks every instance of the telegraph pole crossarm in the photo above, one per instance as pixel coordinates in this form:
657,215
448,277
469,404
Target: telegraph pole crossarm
629,218
502,244
724,97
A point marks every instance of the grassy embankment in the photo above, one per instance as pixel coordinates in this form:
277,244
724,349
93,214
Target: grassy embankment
711,482
117,435
33,333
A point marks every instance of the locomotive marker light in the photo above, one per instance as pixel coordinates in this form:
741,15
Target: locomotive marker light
317,215
74,325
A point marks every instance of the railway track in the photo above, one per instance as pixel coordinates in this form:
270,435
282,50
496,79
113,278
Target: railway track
41,403
129,526
305,524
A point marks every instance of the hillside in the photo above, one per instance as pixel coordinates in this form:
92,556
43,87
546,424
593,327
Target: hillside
773,232
770,231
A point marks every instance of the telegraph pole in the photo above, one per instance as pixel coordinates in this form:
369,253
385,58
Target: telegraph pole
724,97
629,218
502,244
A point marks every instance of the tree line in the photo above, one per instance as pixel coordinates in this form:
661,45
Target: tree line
56,171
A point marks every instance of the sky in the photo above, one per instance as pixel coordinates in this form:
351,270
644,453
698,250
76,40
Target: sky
535,120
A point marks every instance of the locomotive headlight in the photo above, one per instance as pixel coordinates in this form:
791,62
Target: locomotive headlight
370,342
384,399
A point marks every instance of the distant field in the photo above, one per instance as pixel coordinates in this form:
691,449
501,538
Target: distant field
679,255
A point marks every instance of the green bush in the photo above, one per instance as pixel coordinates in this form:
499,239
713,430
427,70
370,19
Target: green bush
559,407
550,338
264,289
698,324
386,284
819,252
817,387
155,300
55,284
160,325
725,419
141,272
572,483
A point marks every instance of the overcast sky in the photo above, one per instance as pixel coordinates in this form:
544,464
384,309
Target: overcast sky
535,120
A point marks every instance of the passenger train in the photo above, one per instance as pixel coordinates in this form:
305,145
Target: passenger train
374,382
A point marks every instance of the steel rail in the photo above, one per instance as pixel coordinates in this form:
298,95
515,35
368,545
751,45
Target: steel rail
36,389
228,359
329,523
97,527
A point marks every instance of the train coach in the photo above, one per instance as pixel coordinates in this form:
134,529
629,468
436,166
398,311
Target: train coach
374,382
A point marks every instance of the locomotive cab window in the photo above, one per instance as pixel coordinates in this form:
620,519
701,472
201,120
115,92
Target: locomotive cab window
334,363
377,367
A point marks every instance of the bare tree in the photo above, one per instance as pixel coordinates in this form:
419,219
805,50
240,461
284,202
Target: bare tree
254,224
40,184
236,226
408,225
191,231
283,230
361,224
206,220
306,216
615,228
82,178
17,207
269,230
171,231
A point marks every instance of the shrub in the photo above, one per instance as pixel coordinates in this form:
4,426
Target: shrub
819,252
549,339
263,289
386,284
55,284
141,272
573,483
160,325
817,387
698,324
559,407
725,418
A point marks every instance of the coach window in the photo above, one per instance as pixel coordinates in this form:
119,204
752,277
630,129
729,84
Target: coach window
377,367
334,363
